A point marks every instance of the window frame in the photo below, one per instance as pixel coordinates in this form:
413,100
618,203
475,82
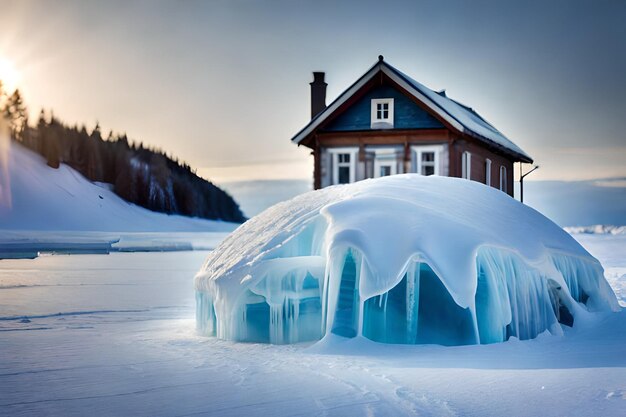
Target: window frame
466,165
488,172
375,122
335,152
503,179
418,150
385,157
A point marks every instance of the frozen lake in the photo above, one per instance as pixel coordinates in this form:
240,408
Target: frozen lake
115,335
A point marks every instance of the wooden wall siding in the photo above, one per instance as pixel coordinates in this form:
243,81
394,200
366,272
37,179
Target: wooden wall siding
322,176
455,148
407,114
383,137
400,138
479,157
317,167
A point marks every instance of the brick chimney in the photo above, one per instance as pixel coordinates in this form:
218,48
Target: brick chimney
318,94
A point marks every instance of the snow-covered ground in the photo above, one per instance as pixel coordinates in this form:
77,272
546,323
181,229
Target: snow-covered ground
115,335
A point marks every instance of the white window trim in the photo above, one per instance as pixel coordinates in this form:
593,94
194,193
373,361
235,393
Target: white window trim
385,157
488,171
418,150
379,123
503,179
466,165
334,152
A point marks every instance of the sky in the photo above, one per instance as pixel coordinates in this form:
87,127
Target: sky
224,85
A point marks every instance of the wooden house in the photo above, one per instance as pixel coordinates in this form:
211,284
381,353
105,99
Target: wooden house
387,123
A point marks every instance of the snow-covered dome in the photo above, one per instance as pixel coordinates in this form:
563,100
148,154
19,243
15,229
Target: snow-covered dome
401,259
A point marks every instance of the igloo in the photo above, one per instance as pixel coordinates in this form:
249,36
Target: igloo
402,259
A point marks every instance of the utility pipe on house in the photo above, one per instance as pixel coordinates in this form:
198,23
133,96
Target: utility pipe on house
521,181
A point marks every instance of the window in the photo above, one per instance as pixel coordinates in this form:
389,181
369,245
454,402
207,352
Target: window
343,165
427,159
428,163
384,167
503,179
343,168
384,171
466,165
385,162
488,171
382,113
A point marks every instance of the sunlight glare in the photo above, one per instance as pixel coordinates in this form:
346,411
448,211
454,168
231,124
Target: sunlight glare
9,75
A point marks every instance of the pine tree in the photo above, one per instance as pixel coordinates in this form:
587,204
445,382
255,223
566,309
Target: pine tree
48,141
93,157
16,114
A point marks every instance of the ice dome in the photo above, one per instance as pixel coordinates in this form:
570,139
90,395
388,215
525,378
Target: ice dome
400,259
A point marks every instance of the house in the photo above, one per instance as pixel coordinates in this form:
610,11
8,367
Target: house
387,123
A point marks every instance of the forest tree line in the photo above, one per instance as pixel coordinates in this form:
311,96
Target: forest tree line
140,175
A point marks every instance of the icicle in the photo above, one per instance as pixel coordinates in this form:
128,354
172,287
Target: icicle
346,318
276,324
585,280
512,299
412,301
205,314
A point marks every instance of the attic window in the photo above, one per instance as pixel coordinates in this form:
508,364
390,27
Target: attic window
382,113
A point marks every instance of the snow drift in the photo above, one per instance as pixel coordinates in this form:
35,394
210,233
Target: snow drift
401,259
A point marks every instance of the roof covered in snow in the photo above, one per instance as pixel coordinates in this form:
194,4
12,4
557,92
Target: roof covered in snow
462,118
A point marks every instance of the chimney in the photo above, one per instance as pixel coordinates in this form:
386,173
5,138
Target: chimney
318,94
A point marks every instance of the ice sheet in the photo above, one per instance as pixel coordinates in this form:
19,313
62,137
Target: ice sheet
29,244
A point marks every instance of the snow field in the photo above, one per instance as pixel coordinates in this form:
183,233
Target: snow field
126,344
112,335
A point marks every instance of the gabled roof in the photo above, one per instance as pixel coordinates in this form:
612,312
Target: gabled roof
460,117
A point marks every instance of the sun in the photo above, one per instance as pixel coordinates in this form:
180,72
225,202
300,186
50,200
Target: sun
9,75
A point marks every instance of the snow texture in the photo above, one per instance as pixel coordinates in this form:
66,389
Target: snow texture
401,259
46,199
114,335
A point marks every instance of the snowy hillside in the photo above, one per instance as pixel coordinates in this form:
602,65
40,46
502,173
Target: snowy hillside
43,198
